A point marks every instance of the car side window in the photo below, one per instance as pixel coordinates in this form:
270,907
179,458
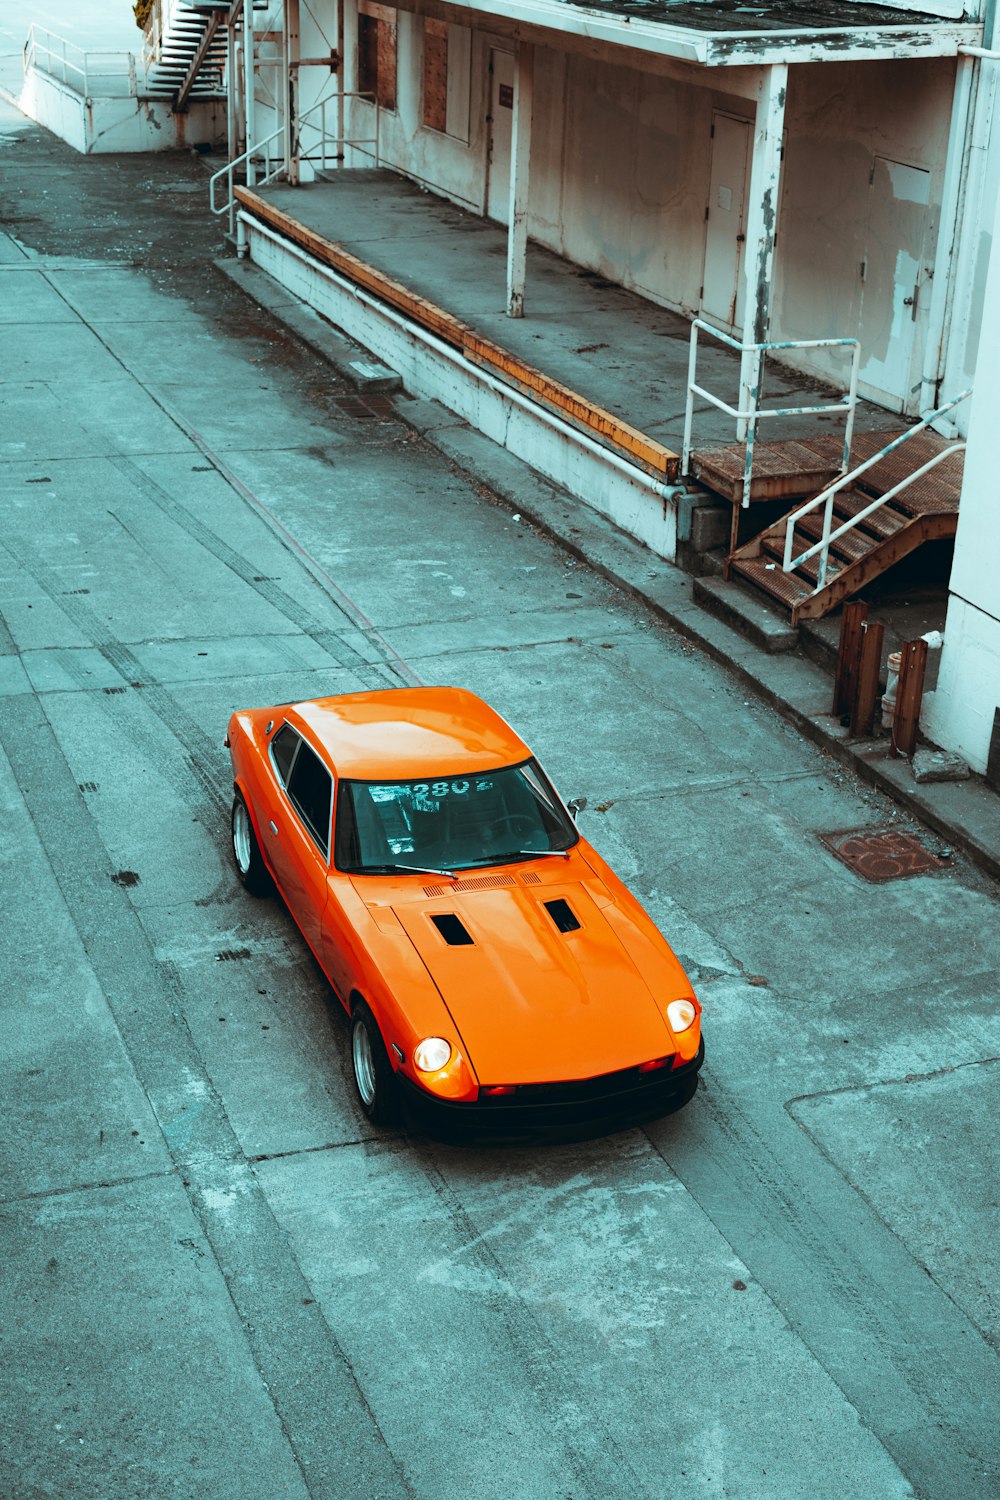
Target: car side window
310,791
283,747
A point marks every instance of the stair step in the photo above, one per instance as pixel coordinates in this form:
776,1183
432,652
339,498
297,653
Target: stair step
884,522
852,546
773,550
787,588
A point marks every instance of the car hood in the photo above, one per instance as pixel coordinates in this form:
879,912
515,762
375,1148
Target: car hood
532,1003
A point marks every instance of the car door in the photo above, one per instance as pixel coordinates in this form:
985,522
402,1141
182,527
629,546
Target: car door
297,830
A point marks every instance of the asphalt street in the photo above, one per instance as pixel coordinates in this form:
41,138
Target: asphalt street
218,1279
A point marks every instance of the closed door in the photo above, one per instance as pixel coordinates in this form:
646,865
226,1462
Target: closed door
499,122
895,276
722,295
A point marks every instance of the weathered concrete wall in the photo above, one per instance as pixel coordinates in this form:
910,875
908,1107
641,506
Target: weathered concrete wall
960,713
620,169
99,125
839,118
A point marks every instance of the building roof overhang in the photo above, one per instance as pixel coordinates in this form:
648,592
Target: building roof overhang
728,33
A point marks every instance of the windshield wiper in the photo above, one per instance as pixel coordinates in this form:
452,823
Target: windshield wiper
417,869
546,853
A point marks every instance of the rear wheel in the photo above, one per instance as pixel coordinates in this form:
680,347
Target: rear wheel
373,1075
250,866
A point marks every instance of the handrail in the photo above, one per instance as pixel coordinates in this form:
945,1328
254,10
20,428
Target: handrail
826,497
271,172
51,57
754,413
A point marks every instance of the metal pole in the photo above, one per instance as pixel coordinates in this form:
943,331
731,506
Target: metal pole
248,89
341,86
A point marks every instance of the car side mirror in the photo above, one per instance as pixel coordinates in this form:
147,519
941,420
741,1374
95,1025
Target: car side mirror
576,806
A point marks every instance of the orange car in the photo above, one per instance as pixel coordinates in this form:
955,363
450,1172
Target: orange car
495,969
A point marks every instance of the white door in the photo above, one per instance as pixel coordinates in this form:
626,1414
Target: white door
498,135
895,296
725,229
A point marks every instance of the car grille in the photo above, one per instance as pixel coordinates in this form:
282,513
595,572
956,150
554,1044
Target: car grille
579,1090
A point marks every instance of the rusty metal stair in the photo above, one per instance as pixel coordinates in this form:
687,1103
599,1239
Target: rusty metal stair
925,511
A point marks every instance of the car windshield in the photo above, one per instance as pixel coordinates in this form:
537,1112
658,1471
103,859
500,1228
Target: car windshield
451,823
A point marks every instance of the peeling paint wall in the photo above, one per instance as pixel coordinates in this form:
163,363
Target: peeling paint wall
840,119
620,169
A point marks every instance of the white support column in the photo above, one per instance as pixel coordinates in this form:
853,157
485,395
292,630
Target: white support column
762,221
956,168
963,713
520,161
290,92
249,86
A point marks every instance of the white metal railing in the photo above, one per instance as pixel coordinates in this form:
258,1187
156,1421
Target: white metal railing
826,497
268,166
110,74
755,355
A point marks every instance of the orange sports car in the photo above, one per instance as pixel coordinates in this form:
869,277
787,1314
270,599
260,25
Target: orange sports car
496,971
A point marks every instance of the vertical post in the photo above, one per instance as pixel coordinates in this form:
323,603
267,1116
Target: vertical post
945,255
852,621
520,162
290,91
249,88
232,108
866,690
762,217
340,155
909,695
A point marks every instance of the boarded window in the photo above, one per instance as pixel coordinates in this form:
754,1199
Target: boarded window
377,52
435,74
446,78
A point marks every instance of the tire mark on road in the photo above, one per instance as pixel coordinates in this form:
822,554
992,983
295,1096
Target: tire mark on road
329,1426
600,1468
899,1350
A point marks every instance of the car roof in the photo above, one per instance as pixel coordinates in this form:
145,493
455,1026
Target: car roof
401,733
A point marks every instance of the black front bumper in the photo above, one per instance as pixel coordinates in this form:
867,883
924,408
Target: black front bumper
603,1103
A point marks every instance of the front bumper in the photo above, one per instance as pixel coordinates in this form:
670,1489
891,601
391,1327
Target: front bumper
609,1101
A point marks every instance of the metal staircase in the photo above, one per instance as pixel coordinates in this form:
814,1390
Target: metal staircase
899,494
185,51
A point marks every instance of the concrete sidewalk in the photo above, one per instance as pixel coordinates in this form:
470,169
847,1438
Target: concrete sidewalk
964,814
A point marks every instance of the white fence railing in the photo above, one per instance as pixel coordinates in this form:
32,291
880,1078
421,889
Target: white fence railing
104,74
270,156
825,498
752,362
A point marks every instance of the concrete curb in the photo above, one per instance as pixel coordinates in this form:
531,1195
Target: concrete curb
964,814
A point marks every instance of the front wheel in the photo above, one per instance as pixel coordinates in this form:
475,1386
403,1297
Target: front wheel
250,866
373,1075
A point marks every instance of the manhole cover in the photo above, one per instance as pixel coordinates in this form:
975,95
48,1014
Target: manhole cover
882,853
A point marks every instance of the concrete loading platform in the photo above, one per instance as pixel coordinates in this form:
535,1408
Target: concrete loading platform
589,387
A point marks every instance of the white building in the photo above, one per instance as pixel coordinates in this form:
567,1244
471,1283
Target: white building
790,172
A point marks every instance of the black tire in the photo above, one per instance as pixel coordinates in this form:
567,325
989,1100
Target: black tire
251,870
374,1081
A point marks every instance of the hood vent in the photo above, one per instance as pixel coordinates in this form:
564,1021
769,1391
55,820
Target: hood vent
562,915
478,883
452,929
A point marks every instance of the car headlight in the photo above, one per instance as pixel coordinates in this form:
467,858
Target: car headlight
432,1054
681,1014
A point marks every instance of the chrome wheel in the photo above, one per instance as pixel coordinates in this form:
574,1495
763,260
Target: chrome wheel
242,834
364,1062
250,867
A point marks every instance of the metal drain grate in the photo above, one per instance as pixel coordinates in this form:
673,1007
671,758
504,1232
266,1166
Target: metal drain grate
880,854
367,408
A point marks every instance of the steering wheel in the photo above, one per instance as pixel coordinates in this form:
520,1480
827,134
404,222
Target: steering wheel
518,825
